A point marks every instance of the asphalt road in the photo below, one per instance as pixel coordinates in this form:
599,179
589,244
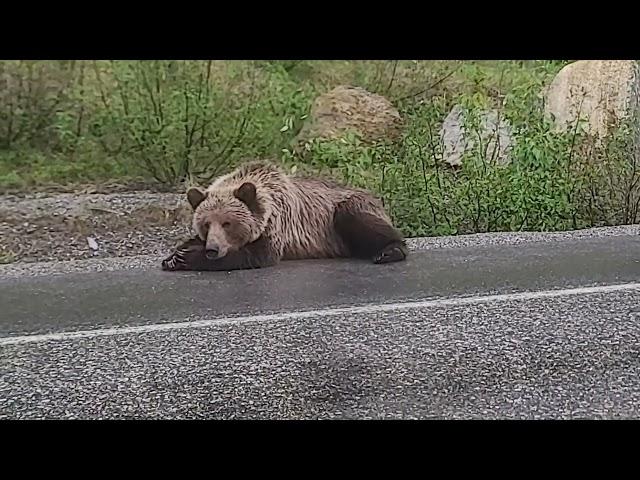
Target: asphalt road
534,330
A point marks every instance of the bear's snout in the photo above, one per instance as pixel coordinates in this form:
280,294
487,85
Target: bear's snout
211,253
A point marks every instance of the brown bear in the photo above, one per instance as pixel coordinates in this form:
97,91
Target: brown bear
257,215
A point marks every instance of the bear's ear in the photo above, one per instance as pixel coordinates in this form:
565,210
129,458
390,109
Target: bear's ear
195,197
247,194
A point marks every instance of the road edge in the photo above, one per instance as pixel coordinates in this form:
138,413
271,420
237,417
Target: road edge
20,269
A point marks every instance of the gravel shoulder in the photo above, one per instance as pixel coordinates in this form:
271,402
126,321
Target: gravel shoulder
46,233
76,226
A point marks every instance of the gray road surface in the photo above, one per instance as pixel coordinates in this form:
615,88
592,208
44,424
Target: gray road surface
511,330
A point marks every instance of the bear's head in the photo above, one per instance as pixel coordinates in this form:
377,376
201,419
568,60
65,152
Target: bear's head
226,219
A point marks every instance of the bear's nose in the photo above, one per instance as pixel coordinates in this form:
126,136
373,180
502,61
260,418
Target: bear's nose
211,253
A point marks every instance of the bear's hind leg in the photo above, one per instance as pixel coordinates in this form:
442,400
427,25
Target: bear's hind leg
368,236
394,252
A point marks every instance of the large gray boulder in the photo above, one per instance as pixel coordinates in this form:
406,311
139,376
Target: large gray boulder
601,92
493,130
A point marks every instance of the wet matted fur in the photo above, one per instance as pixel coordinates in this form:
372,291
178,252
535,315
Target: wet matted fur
257,216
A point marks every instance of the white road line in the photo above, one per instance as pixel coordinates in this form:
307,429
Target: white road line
372,308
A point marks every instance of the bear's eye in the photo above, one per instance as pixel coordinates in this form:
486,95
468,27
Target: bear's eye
226,225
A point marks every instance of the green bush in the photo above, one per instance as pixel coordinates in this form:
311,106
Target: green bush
180,119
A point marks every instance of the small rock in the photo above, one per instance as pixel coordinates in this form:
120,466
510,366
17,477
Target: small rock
93,245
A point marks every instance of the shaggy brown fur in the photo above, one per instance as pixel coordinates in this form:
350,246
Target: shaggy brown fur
257,215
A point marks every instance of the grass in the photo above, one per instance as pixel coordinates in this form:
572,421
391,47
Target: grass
27,169
7,257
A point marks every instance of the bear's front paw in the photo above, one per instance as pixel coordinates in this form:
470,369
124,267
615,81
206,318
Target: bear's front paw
173,263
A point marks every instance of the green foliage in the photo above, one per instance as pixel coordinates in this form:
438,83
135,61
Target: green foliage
180,119
187,121
174,120
552,183
7,257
